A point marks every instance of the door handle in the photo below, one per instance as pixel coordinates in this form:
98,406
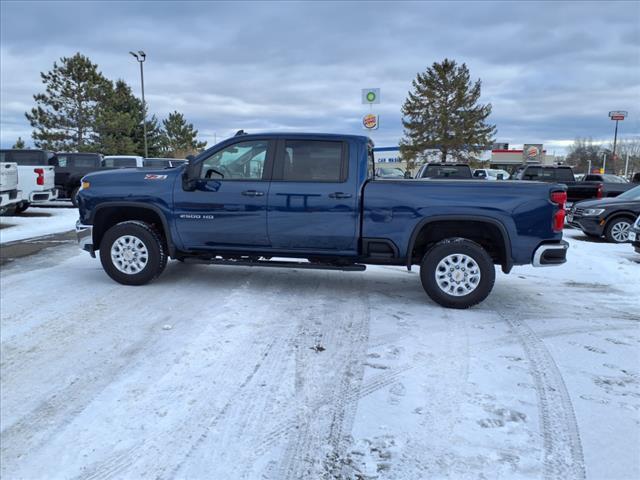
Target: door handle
340,195
252,193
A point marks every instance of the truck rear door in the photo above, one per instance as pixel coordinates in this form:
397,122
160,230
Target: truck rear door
313,201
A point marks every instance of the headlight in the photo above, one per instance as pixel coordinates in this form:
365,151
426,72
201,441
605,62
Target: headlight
84,185
592,212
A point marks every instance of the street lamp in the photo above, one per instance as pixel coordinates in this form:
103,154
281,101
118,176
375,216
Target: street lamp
141,57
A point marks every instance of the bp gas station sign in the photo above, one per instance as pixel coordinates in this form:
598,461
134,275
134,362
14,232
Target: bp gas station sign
370,96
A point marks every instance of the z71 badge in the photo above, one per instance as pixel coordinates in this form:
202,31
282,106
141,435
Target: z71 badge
153,176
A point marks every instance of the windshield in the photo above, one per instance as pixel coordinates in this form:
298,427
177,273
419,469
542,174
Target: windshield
116,162
633,194
396,172
613,178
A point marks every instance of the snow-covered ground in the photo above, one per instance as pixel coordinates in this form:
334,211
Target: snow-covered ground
230,372
35,222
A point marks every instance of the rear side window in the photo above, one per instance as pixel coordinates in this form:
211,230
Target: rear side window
28,158
480,173
446,171
313,161
119,162
84,161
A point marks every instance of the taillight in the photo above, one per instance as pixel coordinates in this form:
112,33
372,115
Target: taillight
559,198
40,173
599,191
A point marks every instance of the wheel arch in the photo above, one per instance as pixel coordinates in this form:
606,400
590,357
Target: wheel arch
420,236
111,213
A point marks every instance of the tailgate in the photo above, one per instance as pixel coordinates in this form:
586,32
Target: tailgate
49,178
8,176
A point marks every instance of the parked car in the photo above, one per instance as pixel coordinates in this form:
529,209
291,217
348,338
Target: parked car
323,207
163,162
634,235
69,170
491,174
35,176
611,217
123,161
10,196
445,171
390,172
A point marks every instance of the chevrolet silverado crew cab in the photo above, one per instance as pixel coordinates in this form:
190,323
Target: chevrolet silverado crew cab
314,198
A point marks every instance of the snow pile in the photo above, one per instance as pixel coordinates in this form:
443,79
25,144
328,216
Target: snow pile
36,222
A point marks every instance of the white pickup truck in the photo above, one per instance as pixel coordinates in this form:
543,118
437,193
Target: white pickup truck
10,196
35,176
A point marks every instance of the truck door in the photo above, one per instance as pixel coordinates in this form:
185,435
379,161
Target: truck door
228,206
313,197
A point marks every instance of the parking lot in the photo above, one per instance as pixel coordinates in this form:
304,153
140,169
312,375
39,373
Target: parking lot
316,374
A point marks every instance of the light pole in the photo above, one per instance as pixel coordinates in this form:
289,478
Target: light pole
141,57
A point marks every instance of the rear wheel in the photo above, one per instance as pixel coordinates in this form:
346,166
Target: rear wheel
22,206
617,230
457,273
132,253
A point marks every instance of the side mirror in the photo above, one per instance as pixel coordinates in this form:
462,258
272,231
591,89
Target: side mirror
190,175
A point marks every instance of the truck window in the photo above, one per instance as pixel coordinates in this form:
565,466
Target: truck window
592,178
240,161
84,161
156,163
119,162
564,175
313,161
447,171
28,157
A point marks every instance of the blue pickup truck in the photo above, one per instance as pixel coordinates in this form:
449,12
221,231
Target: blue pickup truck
312,201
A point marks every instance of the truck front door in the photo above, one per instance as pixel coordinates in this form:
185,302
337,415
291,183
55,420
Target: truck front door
313,198
228,207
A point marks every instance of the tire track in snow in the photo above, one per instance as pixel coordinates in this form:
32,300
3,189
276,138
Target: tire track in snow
325,381
563,456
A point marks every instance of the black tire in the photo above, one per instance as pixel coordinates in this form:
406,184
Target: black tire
454,247
591,235
74,197
149,237
612,235
21,207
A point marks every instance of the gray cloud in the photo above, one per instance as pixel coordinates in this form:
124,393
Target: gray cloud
551,70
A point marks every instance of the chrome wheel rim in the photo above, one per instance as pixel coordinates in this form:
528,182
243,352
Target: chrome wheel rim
129,254
620,231
457,275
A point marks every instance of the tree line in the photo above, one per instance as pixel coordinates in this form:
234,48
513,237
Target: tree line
584,153
83,111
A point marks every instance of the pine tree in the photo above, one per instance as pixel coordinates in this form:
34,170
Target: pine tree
64,116
442,112
20,145
180,137
156,139
118,118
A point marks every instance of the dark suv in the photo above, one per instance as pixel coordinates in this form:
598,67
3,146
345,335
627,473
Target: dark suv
70,168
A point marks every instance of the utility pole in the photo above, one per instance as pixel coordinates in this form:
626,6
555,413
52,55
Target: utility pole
626,165
617,116
604,162
141,57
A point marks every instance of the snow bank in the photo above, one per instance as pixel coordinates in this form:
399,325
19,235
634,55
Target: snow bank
36,222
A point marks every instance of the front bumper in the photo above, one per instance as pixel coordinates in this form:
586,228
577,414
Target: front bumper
43,196
85,237
550,254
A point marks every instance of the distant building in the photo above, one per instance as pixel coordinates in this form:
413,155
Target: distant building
510,159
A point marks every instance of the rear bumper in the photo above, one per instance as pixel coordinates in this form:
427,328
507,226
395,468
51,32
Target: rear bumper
43,196
84,233
550,254
9,197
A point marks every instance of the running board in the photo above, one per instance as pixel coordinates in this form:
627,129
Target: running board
354,267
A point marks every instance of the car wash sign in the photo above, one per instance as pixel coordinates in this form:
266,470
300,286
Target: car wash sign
532,153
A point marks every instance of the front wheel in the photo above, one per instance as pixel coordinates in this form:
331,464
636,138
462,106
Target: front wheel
617,230
132,253
457,273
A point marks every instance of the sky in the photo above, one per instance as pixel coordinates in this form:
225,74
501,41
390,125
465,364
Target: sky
551,70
